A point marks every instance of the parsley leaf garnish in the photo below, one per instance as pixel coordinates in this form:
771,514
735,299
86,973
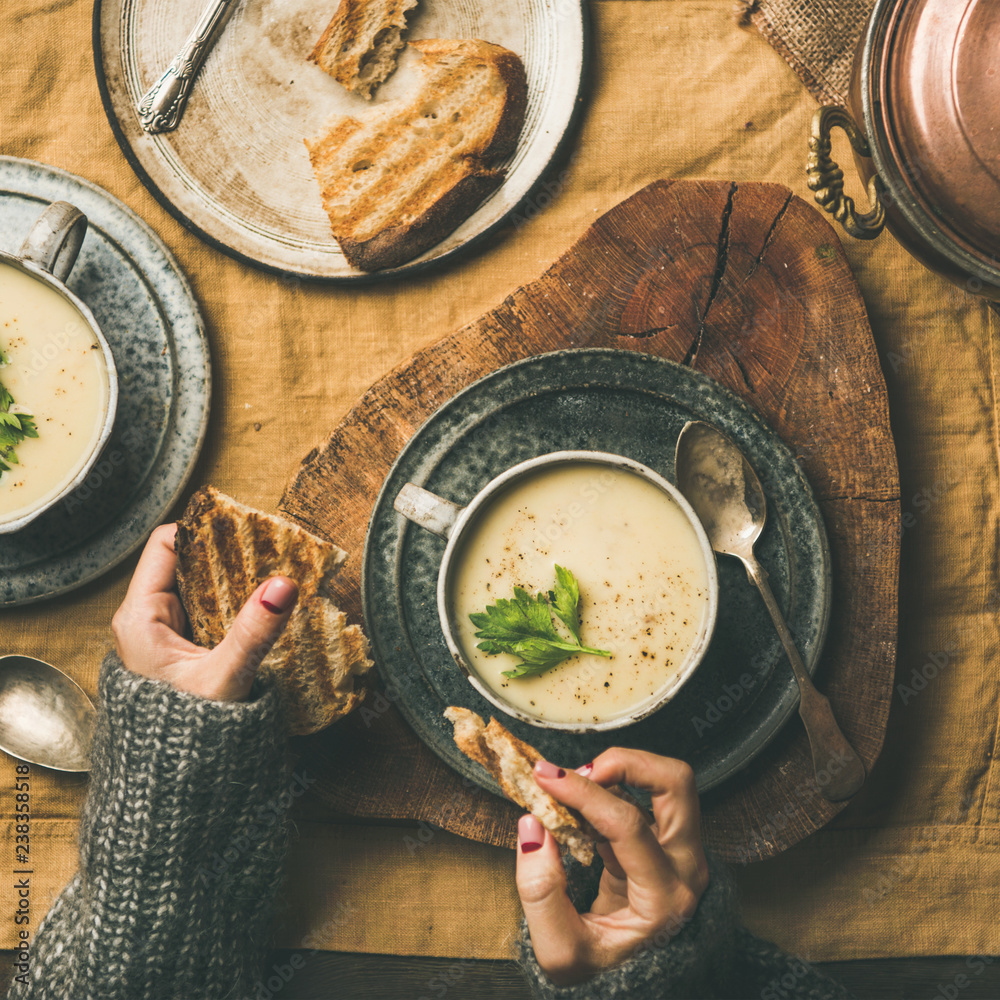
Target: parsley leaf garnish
14,427
523,627
566,600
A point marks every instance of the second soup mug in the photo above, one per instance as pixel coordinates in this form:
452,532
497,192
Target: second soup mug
35,284
462,525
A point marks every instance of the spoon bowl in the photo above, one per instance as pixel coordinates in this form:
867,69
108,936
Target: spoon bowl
730,501
46,718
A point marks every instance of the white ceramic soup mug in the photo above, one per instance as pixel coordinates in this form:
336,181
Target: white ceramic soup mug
48,334
642,564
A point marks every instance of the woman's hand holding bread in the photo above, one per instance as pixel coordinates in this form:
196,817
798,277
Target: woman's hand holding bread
149,629
654,874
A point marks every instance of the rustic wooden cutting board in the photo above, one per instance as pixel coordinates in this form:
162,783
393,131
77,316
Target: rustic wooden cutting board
748,284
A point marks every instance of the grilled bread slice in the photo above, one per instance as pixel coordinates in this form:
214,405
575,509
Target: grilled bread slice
361,42
225,550
511,762
401,180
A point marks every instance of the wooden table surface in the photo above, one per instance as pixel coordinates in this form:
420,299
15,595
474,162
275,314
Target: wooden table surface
332,975
329,975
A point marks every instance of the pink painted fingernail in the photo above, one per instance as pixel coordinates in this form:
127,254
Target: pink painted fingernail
278,596
530,833
546,770
585,769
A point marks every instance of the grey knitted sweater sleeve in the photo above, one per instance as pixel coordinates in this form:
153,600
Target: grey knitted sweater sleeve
182,841
711,956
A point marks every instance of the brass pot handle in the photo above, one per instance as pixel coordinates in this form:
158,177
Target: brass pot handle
826,178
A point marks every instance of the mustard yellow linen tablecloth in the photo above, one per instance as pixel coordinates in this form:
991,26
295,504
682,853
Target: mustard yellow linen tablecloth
912,867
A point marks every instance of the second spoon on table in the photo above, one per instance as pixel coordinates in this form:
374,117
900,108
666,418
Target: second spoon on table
717,480
45,717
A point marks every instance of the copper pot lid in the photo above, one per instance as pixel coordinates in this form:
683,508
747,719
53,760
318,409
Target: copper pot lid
940,72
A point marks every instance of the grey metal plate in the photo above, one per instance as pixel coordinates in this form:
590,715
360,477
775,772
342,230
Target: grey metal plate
633,405
143,303
236,169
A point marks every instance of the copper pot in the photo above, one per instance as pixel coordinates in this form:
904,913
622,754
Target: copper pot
924,124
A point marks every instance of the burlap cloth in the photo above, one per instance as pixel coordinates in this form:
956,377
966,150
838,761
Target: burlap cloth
912,867
817,39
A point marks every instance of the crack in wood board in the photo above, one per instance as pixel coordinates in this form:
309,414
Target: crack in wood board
743,371
721,261
768,238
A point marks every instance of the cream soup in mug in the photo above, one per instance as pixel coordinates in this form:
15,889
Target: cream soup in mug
57,372
644,586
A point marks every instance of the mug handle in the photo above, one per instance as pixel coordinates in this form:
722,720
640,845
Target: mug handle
826,179
55,239
427,509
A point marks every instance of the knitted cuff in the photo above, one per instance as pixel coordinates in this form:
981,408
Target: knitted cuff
694,962
182,837
160,754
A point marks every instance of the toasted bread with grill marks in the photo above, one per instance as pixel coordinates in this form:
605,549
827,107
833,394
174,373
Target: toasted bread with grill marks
398,182
511,762
362,41
225,551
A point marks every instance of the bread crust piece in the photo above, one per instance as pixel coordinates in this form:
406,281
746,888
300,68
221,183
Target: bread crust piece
511,762
401,243
225,551
452,170
360,44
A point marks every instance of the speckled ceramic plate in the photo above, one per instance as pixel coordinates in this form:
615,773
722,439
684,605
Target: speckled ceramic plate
236,170
633,405
142,302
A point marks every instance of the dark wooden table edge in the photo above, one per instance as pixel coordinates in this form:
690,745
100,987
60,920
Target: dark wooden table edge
320,975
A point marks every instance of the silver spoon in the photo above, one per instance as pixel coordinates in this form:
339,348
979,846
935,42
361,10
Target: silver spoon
45,717
717,480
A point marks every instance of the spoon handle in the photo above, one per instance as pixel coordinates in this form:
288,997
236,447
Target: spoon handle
838,769
163,104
